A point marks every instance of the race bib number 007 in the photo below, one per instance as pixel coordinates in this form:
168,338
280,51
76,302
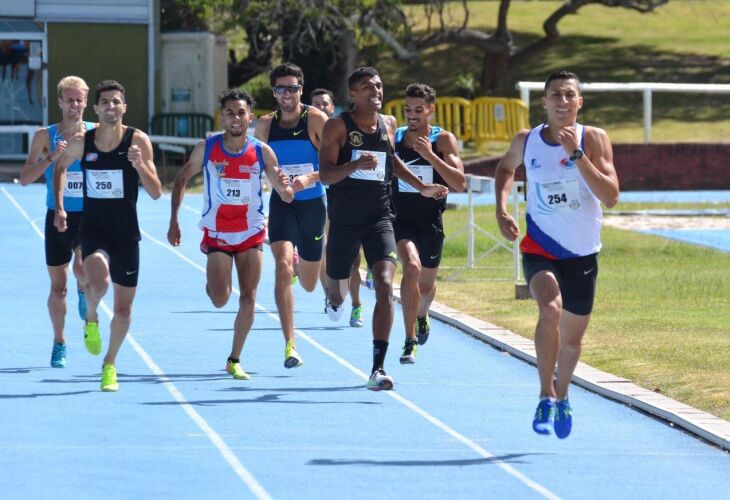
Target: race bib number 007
74,187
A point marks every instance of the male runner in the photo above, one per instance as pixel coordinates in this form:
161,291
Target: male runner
233,212
570,173
358,163
114,159
433,155
294,132
322,99
47,147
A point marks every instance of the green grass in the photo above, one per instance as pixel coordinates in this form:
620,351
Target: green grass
661,315
607,45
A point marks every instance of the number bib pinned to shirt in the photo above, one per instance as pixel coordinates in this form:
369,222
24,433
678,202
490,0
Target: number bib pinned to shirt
74,187
558,196
104,184
423,172
377,174
295,170
235,191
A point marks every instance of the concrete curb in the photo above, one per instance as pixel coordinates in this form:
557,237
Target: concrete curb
702,424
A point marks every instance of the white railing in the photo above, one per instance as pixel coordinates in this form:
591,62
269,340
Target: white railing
28,130
646,88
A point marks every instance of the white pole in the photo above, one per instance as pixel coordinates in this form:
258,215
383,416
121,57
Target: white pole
525,96
470,226
515,244
647,116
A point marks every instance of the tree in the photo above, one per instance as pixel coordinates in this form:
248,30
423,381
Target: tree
500,55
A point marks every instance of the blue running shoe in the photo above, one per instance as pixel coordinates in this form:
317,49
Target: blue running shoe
58,356
543,417
423,329
369,284
563,422
82,305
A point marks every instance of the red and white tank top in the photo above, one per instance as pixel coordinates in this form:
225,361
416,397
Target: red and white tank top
563,215
233,207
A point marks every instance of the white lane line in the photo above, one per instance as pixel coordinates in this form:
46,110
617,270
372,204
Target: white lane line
228,455
407,403
24,214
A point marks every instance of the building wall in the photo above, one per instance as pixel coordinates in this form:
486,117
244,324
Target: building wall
650,167
98,52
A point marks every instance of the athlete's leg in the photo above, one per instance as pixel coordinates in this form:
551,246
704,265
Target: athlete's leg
383,272
572,329
546,292
410,293
427,288
78,270
96,269
123,297
218,274
355,281
248,269
283,256
57,301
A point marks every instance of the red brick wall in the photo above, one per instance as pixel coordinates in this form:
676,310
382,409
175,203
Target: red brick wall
654,167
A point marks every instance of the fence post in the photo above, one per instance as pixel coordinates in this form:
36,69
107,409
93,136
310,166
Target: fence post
647,115
470,224
522,291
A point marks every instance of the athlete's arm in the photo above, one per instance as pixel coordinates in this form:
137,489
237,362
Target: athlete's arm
451,169
333,138
596,165
503,179
273,172
192,167
315,126
140,155
40,157
71,153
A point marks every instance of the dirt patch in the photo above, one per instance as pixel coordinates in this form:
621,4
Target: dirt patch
646,222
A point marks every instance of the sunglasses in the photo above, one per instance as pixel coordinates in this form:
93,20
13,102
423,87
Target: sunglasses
280,89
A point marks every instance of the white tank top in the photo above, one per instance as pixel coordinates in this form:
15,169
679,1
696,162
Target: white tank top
563,215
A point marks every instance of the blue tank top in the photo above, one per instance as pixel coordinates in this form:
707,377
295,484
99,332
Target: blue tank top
73,191
296,153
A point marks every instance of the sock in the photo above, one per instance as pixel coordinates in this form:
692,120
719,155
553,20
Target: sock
234,360
380,347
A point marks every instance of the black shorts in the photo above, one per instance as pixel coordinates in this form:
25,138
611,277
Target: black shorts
576,279
60,246
302,223
429,240
343,245
123,258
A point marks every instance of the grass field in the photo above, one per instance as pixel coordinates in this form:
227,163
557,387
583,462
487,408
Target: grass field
661,315
602,44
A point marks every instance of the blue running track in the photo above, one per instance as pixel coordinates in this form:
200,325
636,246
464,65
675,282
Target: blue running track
458,424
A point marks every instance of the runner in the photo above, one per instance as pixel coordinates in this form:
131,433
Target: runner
294,133
114,159
46,148
358,162
233,212
433,155
570,172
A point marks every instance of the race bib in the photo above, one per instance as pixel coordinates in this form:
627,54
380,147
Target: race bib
104,184
377,174
74,187
295,170
423,172
558,196
235,191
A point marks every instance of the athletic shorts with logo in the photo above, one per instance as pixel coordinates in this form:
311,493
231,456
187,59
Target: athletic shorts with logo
300,222
60,246
576,279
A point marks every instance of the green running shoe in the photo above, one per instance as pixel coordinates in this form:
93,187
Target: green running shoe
409,352
292,359
236,370
356,320
109,379
92,340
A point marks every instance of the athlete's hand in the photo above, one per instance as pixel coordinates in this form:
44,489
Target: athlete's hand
173,234
60,148
422,146
299,183
507,226
435,191
568,138
367,161
134,155
59,221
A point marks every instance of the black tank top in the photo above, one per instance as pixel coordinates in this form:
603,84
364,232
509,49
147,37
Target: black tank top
110,190
410,206
356,200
